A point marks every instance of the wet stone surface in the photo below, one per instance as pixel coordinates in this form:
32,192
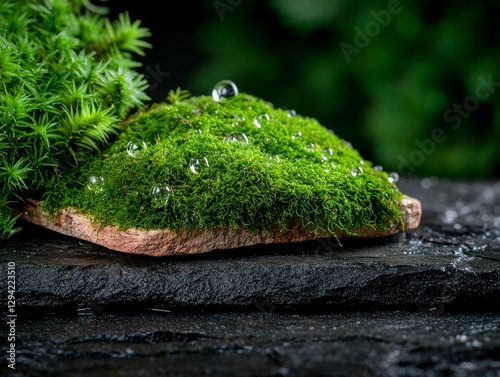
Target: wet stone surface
263,344
422,303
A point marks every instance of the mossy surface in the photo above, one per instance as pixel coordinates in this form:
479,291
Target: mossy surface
67,77
239,162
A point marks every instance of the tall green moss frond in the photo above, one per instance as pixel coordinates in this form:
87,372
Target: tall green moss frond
127,35
66,79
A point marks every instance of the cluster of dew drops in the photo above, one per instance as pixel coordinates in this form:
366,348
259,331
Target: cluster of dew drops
160,194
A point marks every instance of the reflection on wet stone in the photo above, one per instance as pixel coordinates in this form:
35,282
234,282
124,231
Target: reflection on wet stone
84,309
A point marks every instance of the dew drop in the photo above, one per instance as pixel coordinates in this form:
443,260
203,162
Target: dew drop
195,164
357,170
236,138
378,168
327,152
330,167
132,149
361,162
393,177
224,89
95,183
260,120
239,120
291,113
272,159
297,135
309,147
160,196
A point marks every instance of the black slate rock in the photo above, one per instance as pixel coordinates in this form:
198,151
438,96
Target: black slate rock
425,302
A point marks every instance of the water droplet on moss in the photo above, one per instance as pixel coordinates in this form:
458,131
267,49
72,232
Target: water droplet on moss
240,119
132,149
260,120
224,89
160,196
393,177
196,164
327,152
236,138
297,135
357,170
309,147
291,113
272,159
95,183
378,168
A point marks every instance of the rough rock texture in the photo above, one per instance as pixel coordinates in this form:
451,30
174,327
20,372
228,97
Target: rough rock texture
453,257
425,302
396,273
395,344
167,242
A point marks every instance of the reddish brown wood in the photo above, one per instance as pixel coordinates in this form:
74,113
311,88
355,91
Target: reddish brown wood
164,242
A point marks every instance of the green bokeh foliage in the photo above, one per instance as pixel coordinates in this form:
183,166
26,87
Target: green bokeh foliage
396,98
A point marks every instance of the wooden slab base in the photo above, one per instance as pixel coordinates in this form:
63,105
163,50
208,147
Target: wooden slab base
165,242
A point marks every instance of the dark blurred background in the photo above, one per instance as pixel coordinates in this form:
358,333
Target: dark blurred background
414,86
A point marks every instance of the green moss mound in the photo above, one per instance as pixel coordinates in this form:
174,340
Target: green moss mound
240,162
